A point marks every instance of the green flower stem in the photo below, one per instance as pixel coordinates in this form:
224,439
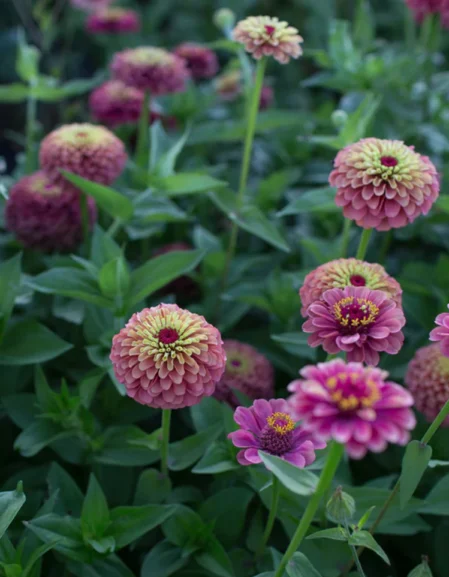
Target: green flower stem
143,139
30,132
333,460
437,422
275,491
85,222
166,417
354,554
364,241
345,237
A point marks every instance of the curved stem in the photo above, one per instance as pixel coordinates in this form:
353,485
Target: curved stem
355,554
275,492
327,474
166,417
364,241
30,132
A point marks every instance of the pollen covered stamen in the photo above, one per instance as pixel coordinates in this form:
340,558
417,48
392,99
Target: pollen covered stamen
281,423
357,280
277,435
351,391
355,313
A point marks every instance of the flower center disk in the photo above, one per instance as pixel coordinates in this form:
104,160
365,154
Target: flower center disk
168,336
357,280
389,161
277,435
352,391
269,29
355,314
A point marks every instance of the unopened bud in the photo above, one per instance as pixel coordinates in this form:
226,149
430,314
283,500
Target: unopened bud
339,118
224,19
340,507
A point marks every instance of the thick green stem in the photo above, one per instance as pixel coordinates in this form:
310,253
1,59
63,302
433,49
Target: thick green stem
333,460
345,237
275,491
166,417
85,227
30,132
364,241
143,139
437,422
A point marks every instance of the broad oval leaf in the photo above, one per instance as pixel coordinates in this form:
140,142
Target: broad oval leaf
188,183
130,523
414,465
365,539
299,481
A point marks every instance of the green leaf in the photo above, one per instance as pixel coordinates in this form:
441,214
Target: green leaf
163,560
104,248
112,202
10,504
183,454
69,494
206,413
365,539
130,523
365,517
214,558
95,517
319,200
118,448
27,63
162,162
10,271
300,566
28,343
104,545
39,435
295,344
299,481
11,570
442,203
14,93
272,188
114,278
36,555
218,458
45,396
148,209
152,488
414,465
188,183
436,502
335,534
423,570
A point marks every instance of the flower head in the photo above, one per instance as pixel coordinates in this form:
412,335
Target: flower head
90,5
247,371
44,215
423,8
202,62
229,85
441,332
113,103
90,151
267,36
352,404
152,69
357,320
383,184
347,272
427,378
268,426
113,21
168,357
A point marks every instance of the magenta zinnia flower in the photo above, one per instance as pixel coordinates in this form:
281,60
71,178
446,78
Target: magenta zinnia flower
113,21
247,371
441,332
201,61
427,378
358,321
423,8
151,69
113,103
268,426
267,36
44,215
383,184
347,272
168,357
92,152
352,404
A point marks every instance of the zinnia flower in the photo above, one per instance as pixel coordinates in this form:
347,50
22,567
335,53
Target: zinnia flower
168,357
352,404
347,272
423,8
441,332
427,378
151,69
202,62
229,85
267,36
383,184
113,21
247,371
44,215
268,426
357,320
113,103
92,152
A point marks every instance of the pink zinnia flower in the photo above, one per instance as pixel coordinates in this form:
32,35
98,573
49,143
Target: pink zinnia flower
267,36
152,69
201,61
423,8
383,184
44,215
352,404
168,357
247,371
441,332
427,378
113,103
92,152
113,21
90,5
358,321
347,272
268,426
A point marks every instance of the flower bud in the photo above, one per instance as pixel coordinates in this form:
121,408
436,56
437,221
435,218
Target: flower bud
339,118
341,507
224,19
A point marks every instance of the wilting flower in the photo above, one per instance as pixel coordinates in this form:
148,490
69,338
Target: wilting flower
183,286
90,5
267,36
92,152
113,21
358,321
201,61
423,8
268,426
441,332
168,357
247,371
44,215
383,184
113,103
151,69
427,378
347,272
352,404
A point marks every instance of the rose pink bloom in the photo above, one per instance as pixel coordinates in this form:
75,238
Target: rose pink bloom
352,404
201,61
268,426
90,5
358,321
168,357
46,216
247,371
113,103
383,184
113,21
423,8
441,332
427,378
